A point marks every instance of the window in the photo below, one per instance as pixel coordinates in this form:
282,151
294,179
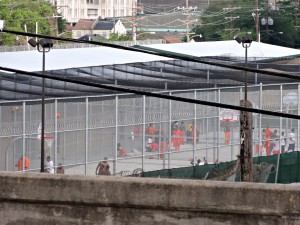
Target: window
92,12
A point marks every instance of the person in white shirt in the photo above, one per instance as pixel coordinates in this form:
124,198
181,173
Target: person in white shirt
282,142
292,140
50,165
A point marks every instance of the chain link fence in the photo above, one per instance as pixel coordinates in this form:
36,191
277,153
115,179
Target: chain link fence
87,129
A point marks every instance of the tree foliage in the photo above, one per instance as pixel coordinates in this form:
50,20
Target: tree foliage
18,14
117,37
224,19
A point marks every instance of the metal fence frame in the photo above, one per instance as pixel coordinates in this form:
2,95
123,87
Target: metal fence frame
104,121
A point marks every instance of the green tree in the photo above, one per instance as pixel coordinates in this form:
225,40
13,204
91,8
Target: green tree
61,23
224,19
20,13
117,37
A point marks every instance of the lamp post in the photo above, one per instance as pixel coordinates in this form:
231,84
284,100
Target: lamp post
246,132
46,45
196,35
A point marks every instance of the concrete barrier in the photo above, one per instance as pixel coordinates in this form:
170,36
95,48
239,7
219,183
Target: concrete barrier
34,198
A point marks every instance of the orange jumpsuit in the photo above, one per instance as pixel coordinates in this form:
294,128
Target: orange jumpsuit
176,139
20,164
227,136
268,141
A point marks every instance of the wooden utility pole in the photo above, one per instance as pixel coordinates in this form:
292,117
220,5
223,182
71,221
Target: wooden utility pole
246,143
257,23
187,20
55,21
187,12
134,14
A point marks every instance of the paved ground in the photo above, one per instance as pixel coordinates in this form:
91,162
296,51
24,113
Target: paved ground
152,161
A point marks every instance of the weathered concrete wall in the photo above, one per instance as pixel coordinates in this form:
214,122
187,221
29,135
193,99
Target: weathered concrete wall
29,198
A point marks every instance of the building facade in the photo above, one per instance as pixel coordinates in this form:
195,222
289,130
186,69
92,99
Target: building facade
73,10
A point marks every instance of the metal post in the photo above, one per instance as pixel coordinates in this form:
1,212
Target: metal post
86,134
170,132
24,137
144,130
55,135
218,125
246,62
195,130
43,117
260,107
280,130
116,135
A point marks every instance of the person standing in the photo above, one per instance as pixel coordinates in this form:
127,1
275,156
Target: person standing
292,140
182,132
227,134
176,139
282,142
268,133
20,163
50,165
103,168
275,143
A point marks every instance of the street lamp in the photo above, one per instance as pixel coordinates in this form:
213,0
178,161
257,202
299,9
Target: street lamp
246,132
43,45
197,35
246,43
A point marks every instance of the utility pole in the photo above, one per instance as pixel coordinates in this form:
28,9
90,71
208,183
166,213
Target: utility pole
134,13
257,23
55,21
231,18
187,20
186,11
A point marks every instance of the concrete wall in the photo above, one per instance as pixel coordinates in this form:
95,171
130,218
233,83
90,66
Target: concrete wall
32,198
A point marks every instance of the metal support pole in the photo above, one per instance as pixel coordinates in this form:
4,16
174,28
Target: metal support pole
86,134
116,135
260,107
43,118
195,130
280,130
24,137
55,135
218,125
246,64
144,130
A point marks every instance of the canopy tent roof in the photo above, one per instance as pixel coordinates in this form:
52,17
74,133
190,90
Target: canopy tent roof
136,70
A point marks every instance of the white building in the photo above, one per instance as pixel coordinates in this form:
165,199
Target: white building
73,10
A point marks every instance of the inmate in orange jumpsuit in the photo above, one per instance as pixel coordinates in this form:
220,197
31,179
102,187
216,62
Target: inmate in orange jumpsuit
20,163
227,135
268,141
176,139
